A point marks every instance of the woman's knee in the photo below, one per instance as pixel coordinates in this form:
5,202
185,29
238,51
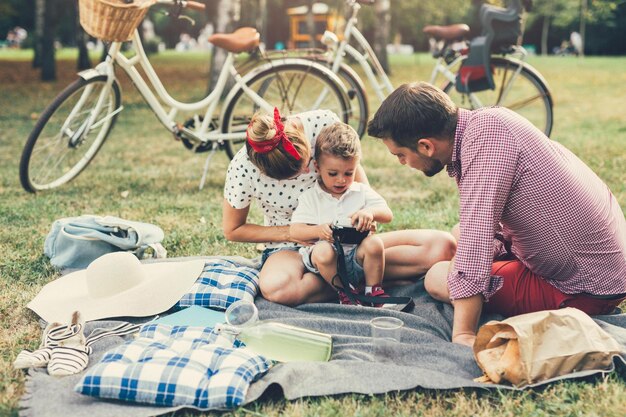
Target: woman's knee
436,281
456,231
442,247
280,276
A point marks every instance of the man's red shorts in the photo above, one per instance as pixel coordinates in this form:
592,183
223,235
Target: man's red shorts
524,291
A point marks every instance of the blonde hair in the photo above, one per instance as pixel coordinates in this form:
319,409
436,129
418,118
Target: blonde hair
277,163
340,140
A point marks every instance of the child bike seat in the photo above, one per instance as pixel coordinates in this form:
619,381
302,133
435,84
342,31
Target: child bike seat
501,28
242,40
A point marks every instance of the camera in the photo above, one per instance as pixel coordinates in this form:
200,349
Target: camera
348,234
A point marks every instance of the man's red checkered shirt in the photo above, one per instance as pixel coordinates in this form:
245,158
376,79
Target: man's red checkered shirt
562,221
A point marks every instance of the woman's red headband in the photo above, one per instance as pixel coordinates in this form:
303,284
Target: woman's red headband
267,145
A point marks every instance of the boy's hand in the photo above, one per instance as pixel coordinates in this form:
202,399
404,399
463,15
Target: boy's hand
362,220
325,232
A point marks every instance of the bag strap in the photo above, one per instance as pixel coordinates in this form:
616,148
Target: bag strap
342,273
158,251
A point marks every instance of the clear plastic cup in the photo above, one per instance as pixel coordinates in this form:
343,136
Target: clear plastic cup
386,333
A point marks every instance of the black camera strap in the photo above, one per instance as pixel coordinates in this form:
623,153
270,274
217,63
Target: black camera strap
349,282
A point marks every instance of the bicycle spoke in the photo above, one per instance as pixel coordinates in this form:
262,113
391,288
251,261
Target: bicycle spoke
523,103
62,146
517,87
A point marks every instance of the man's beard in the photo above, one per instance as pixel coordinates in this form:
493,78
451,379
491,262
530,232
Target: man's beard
434,167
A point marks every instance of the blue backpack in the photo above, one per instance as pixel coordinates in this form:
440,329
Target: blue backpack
74,242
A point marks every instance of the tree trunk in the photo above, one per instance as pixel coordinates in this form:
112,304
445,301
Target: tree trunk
226,16
81,42
583,25
310,23
261,20
48,64
545,29
381,31
40,10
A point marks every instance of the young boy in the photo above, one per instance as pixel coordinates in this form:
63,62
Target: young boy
337,199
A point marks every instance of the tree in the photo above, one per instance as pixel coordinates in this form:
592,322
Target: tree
382,31
226,16
51,20
310,23
81,42
261,20
40,11
560,13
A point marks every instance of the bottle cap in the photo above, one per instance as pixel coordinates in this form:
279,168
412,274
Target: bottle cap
242,313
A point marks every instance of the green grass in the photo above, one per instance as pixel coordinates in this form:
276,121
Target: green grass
162,180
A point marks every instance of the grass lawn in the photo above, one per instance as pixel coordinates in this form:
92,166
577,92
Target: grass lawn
143,174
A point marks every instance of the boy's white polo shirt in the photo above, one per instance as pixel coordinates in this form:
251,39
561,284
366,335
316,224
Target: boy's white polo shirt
316,206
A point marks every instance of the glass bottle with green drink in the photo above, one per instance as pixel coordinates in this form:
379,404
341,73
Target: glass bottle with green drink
276,341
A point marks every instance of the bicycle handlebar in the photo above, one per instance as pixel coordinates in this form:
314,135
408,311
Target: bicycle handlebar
196,5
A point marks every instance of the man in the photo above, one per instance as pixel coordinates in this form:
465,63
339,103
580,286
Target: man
555,230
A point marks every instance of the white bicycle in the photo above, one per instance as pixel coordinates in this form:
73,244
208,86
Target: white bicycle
74,126
518,86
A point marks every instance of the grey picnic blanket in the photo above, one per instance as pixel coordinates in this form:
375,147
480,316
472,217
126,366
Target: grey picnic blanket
425,358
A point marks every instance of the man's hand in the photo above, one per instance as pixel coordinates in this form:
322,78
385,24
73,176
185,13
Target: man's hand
466,315
466,339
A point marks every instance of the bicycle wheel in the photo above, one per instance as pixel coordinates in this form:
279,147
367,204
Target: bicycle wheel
359,106
60,147
527,94
293,88
357,96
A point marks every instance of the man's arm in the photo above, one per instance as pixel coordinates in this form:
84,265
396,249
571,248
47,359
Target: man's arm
489,158
466,316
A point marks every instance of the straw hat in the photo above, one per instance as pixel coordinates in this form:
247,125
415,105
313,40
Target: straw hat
117,285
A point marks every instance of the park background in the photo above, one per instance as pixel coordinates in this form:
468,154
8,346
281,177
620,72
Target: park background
143,174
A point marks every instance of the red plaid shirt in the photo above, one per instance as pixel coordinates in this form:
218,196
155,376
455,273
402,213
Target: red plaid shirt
560,219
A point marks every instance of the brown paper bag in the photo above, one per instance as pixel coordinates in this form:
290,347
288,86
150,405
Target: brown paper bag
533,347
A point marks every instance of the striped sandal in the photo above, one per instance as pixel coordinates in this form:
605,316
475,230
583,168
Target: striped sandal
40,357
65,349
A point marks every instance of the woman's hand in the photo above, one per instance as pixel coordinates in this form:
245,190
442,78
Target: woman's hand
362,220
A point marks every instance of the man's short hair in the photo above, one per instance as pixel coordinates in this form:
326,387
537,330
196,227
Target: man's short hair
414,111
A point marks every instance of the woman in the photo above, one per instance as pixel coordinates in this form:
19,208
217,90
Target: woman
273,169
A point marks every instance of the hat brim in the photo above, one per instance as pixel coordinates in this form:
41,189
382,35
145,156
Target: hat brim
165,284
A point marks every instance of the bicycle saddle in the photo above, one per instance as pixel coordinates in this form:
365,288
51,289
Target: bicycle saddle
242,40
447,33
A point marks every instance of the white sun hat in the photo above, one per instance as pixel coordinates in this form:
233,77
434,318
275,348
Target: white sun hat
117,285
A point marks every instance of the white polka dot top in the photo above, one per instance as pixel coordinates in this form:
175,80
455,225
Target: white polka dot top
277,198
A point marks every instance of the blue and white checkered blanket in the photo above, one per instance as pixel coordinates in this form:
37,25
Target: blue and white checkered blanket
176,366
221,283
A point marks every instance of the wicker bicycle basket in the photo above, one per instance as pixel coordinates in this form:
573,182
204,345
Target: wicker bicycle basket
112,20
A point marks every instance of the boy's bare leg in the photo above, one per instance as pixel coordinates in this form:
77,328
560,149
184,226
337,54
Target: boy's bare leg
371,255
284,280
324,258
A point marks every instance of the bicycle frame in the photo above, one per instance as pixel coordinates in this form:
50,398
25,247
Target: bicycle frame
368,61
376,74
157,97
